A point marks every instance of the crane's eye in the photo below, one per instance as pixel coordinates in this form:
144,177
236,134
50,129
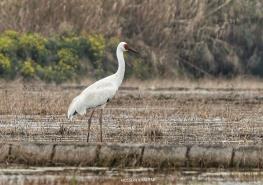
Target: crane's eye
126,47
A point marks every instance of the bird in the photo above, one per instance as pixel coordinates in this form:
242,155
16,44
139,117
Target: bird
98,94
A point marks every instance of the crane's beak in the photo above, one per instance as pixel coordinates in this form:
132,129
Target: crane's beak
132,50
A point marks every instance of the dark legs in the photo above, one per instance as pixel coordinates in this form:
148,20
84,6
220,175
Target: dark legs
89,122
101,111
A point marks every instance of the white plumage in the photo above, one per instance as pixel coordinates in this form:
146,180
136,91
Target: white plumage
100,92
93,96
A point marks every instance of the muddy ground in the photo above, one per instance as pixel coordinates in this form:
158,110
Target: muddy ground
166,115
141,176
181,113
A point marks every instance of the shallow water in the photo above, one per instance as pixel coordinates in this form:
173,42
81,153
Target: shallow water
94,175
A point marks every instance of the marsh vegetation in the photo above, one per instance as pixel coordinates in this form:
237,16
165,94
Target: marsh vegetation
175,38
204,112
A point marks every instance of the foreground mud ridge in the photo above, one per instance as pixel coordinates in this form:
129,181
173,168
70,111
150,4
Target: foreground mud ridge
131,155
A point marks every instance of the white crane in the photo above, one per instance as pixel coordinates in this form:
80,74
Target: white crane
100,92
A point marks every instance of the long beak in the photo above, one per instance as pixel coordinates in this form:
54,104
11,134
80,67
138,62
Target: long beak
132,50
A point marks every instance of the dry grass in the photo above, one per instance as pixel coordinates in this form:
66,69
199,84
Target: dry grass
177,37
153,132
242,83
177,113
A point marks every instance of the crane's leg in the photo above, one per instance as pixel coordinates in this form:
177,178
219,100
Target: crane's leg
89,123
101,111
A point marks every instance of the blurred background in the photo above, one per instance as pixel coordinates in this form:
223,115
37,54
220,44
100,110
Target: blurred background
67,40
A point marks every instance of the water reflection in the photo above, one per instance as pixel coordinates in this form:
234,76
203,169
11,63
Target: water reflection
98,176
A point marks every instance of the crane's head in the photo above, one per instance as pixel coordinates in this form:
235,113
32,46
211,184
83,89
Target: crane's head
123,46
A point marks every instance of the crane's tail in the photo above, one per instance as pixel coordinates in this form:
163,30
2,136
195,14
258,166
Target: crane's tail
70,116
76,107
72,110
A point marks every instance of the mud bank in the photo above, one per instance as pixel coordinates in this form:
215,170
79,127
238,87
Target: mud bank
131,155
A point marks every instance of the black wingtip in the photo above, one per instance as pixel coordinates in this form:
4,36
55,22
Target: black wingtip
74,113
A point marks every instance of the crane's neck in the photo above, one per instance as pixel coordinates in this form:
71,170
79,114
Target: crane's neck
121,67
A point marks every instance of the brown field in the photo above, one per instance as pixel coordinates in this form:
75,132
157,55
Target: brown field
205,112
202,112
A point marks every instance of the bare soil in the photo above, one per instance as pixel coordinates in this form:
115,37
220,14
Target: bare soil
164,112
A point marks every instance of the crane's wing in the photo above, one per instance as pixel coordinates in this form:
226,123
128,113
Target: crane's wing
92,97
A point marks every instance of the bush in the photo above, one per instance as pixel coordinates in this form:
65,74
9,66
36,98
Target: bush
96,46
67,65
60,58
47,73
33,46
8,43
77,43
5,65
27,69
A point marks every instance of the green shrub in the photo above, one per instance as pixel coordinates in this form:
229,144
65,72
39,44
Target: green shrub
32,41
77,43
27,68
5,64
33,46
67,65
61,57
8,45
68,57
96,46
46,73
11,34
